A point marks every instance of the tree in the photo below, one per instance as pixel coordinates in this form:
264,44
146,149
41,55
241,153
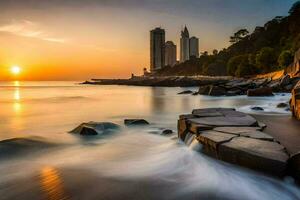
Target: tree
239,35
266,59
295,8
285,58
215,52
234,62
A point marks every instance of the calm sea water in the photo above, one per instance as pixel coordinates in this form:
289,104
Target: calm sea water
132,164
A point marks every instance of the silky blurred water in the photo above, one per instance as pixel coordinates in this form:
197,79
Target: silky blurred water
134,163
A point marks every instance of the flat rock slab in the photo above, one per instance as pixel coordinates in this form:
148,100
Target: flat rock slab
236,130
266,156
235,137
213,138
245,120
258,135
252,132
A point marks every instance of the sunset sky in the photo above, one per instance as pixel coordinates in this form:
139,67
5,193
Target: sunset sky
82,39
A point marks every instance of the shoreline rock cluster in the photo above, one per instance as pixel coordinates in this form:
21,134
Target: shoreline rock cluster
237,138
250,87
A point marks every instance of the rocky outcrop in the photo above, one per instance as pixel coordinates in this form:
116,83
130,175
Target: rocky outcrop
135,122
295,101
237,138
95,128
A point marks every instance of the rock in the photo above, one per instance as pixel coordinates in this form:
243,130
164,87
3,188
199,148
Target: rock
167,132
236,130
211,140
252,132
285,80
204,90
95,128
20,146
186,92
234,137
246,120
258,135
195,93
135,122
282,105
289,87
295,101
217,91
294,166
269,157
217,117
266,91
257,108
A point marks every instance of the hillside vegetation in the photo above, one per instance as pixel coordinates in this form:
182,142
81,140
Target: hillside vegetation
268,48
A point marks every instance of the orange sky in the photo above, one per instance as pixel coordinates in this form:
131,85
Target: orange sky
79,40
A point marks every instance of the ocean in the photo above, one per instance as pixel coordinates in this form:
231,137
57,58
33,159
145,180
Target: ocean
134,163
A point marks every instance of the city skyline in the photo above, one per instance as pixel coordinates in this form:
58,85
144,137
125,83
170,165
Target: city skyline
85,39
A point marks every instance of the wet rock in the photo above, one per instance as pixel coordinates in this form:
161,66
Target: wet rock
135,122
285,80
211,140
204,90
282,105
294,166
236,130
186,92
269,157
234,137
245,120
257,108
295,101
217,91
167,132
266,91
20,146
95,128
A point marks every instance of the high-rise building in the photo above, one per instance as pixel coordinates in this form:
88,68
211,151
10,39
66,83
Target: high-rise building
194,47
157,49
184,45
170,54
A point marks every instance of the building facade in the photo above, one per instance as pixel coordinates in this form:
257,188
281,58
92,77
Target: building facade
170,54
194,47
157,49
185,45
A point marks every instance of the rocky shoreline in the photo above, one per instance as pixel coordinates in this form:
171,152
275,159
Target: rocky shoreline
172,81
237,138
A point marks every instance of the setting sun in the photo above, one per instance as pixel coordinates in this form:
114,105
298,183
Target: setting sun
15,70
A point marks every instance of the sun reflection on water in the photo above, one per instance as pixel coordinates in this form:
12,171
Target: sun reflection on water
51,184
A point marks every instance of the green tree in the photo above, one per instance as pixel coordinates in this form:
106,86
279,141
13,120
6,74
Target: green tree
239,35
285,58
234,62
295,8
266,59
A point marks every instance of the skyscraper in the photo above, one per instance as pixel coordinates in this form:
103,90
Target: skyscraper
157,49
170,54
194,47
184,45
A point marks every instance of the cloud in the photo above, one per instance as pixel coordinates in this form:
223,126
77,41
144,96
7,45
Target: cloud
29,29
